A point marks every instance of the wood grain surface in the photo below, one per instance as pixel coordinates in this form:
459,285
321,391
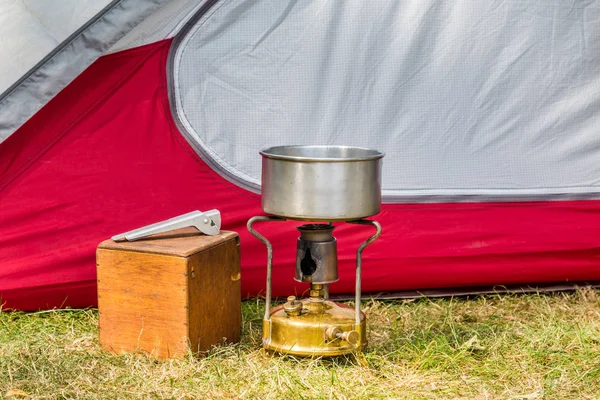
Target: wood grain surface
166,296
215,296
180,242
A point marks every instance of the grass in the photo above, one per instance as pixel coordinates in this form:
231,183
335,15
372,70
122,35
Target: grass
535,346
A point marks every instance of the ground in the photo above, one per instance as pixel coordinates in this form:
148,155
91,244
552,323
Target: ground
505,346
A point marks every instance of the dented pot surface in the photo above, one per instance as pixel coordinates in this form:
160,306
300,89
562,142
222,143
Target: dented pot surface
321,183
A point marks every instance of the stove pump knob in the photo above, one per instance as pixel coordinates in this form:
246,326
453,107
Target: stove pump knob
334,332
292,307
351,337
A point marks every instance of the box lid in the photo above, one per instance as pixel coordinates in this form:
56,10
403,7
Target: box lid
180,242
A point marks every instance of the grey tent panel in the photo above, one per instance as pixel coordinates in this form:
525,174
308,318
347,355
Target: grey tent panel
471,98
67,60
31,29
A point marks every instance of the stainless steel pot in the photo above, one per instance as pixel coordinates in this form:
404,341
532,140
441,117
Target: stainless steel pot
321,183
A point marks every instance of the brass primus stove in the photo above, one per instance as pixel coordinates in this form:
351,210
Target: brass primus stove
321,184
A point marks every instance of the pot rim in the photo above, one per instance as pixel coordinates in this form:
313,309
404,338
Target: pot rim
321,153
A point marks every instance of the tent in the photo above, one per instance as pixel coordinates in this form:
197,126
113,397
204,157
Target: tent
117,114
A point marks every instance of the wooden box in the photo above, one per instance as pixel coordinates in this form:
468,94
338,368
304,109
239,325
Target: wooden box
170,293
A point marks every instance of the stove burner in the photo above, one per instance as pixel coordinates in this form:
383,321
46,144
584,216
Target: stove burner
316,254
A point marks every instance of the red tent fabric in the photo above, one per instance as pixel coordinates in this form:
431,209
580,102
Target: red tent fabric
104,157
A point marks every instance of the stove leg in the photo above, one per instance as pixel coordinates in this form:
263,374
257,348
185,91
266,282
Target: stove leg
264,240
359,261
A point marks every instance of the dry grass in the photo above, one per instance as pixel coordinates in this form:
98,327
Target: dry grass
539,346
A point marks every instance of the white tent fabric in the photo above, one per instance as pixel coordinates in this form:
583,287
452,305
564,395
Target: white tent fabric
467,98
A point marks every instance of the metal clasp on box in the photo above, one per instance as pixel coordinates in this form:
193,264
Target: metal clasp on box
208,222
